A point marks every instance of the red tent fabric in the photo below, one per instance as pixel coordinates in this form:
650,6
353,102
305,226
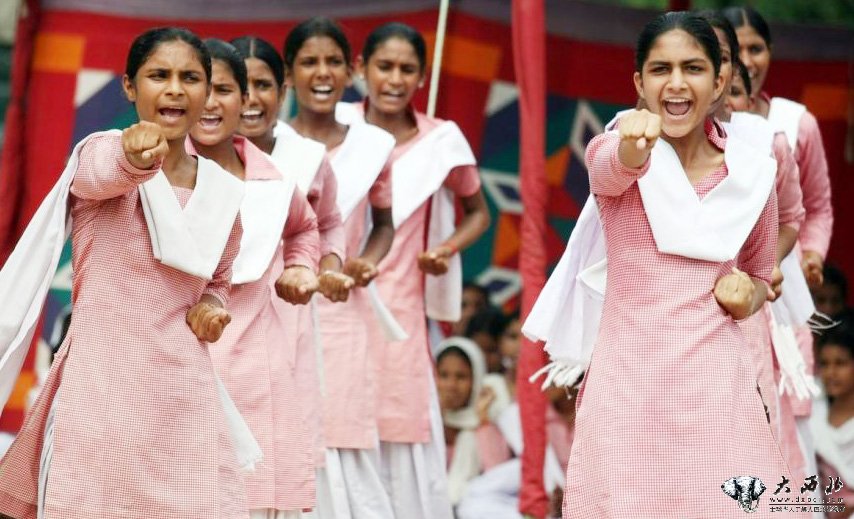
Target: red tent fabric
529,38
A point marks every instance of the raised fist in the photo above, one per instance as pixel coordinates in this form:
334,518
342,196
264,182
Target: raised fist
144,144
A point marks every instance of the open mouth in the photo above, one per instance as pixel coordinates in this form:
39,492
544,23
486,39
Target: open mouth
677,107
171,113
252,116
322,93
393,95
210,121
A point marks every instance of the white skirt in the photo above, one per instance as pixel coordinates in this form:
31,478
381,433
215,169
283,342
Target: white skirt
414,474
349,487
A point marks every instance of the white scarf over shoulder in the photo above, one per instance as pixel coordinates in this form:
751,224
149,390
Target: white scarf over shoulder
416,176
359,161
566,316
288,150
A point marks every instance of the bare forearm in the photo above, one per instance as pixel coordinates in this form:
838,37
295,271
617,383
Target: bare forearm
474,223
379,243
786,239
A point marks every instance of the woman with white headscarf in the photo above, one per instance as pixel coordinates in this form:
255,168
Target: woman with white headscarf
474,443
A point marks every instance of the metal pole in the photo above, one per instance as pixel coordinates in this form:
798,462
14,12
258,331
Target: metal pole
437,58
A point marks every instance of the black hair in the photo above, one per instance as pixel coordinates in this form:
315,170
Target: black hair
515,316
254,47
225,52
719,21
470,285
317,26
739,68
834,276
842,336
741,16
687,21
391,30
489,320
455,350
146,43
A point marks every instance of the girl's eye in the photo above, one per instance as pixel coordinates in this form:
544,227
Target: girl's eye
756,49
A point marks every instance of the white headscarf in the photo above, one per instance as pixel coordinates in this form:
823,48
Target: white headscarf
465,464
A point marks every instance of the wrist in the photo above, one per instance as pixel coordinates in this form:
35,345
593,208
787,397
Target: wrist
451,247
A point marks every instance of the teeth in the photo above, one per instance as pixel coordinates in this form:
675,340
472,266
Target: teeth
252,113
323,89
211,117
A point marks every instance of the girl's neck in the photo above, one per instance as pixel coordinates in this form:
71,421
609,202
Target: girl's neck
761,106
265,142
179,168
841,410
224,154
321,127
694,151
400,124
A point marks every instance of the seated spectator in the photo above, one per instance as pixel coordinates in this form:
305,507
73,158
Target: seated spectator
831,297
474,443
485,329
495,493
832,419
475,299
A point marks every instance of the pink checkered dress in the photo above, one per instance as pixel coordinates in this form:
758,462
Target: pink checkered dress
258,365
669,409
139,426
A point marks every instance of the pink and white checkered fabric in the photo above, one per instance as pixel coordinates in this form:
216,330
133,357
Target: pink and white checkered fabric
668,410
257,363
139,427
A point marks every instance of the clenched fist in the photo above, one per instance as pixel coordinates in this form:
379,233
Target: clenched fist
361,270
144,144
639,131
776,288
296,285
435,261
335,286
813,267
735,293
207,321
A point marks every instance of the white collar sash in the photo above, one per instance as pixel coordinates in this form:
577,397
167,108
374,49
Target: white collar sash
785,116
263,213
420,172
192,239
296,156
418,175
751,129
358,163
715,227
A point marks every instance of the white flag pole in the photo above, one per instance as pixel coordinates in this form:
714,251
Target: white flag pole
437,58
